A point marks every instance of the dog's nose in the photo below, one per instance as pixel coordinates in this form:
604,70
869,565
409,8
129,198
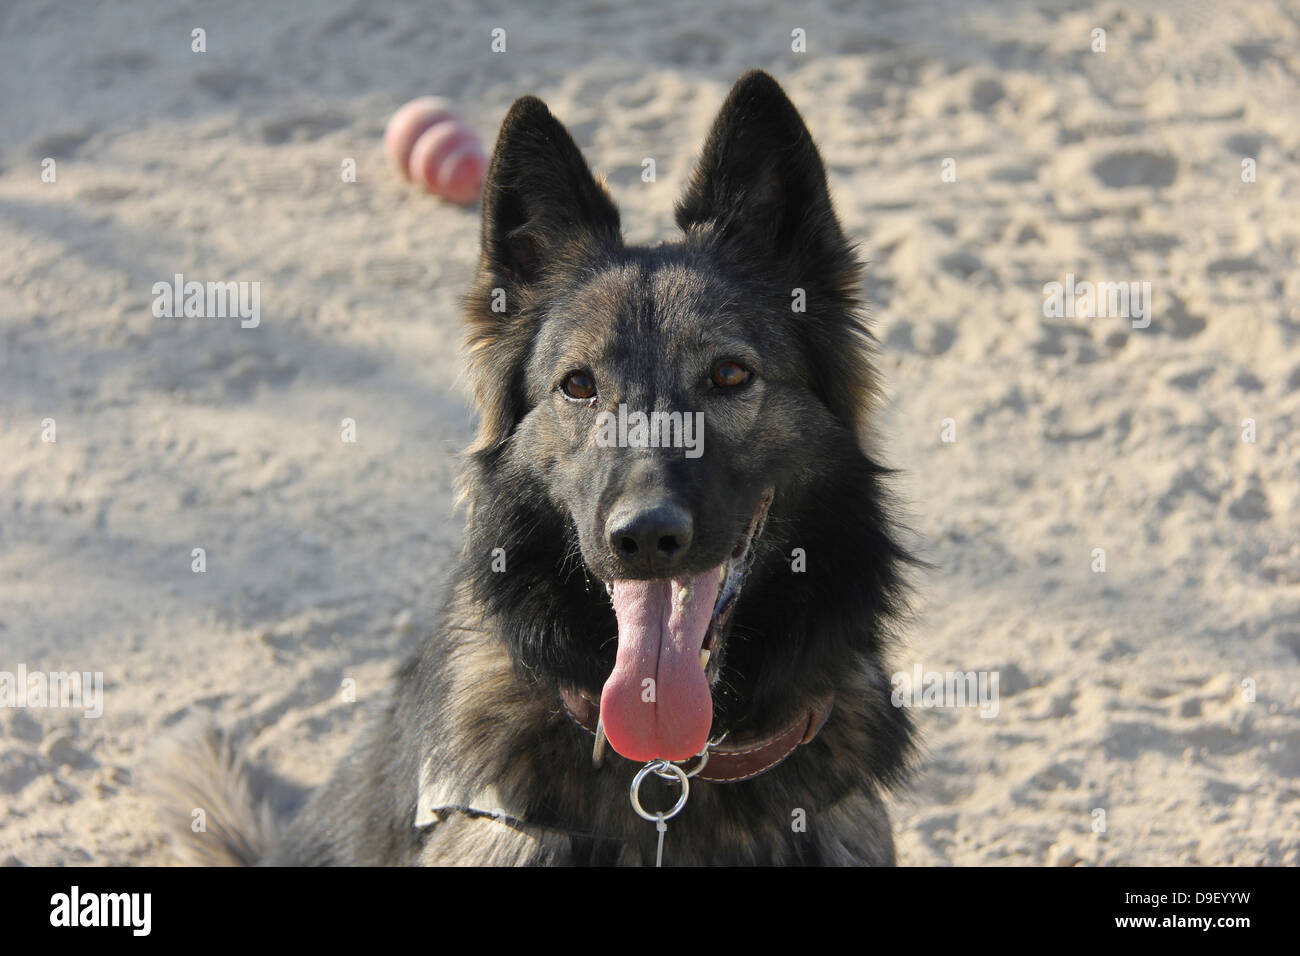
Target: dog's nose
650,540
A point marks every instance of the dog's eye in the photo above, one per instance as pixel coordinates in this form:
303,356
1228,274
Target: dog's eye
579,386
729,375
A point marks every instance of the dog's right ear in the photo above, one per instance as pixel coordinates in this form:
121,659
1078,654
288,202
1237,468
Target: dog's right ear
541,204
543,211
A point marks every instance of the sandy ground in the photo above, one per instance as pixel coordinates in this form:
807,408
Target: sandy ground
1127,691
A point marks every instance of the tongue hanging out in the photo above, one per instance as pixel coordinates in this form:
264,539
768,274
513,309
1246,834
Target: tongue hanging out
661,630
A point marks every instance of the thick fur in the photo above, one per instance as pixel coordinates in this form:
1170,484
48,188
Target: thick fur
477,711
199,767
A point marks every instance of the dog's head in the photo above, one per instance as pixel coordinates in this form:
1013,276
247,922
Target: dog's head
647,411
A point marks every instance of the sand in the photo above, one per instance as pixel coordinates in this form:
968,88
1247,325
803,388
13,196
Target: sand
1147,712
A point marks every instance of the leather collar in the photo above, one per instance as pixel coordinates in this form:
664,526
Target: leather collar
729,761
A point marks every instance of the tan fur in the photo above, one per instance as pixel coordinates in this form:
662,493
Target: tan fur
197,767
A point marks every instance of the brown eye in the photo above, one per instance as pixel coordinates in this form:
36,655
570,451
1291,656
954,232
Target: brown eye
729,375
579,386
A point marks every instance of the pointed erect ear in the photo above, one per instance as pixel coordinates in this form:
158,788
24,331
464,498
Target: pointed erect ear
543,214
540,201
760,185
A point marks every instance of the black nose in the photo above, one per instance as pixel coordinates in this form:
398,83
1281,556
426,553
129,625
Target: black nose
650,539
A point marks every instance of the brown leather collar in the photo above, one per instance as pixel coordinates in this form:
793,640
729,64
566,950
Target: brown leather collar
728,761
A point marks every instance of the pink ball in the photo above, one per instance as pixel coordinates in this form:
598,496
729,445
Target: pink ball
448,160
408,123
462,176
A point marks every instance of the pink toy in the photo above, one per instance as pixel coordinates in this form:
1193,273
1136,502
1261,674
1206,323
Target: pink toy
431,145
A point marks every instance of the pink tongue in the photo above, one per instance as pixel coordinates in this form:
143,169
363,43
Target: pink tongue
656,703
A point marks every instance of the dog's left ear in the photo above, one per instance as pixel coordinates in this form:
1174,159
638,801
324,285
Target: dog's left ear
760,185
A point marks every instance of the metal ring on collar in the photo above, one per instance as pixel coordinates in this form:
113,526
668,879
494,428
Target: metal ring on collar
659,767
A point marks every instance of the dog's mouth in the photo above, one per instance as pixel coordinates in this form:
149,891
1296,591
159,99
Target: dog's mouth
657,703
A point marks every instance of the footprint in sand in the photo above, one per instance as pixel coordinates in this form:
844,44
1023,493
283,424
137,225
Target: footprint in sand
985,92
1139,167
962,264
302,128
244,371
1233,264
1253,54
1251,504
1245,144
105,193
227,84
61,750
18,769
62,143
1181,322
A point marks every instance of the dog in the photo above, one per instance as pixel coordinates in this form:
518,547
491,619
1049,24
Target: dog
680,563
